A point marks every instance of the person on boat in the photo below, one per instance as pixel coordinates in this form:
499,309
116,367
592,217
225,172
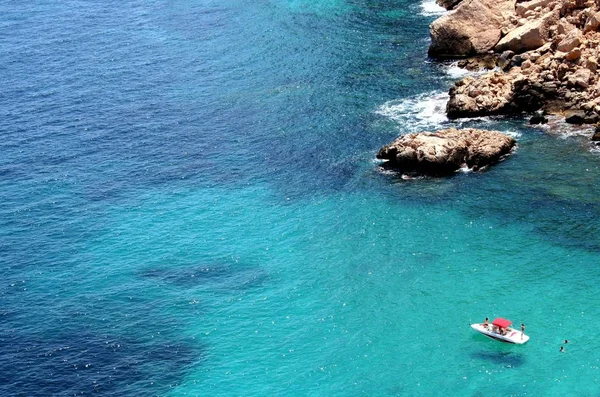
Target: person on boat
486,323
522,330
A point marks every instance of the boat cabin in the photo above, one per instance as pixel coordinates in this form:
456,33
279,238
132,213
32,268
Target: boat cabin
500,325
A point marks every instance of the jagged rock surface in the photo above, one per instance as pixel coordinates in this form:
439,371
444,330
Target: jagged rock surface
472,96
445,151
448,4
473,27
547,57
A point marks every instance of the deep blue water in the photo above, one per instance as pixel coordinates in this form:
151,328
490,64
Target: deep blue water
190,205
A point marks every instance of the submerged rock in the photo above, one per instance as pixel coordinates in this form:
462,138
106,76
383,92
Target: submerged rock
538,119
596,136
448,4
444,152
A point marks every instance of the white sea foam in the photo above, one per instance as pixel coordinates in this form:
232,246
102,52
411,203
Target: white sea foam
514,134
407,177
557,126
456,72
431,8
423,112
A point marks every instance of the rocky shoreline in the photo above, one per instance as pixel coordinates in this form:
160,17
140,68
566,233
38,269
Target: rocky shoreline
544,55
542,59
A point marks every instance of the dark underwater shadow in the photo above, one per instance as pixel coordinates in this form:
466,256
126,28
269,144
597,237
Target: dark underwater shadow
404,173
219,276
88,362
506,358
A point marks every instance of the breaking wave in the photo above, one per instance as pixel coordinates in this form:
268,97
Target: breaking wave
423,112
430,8
456,72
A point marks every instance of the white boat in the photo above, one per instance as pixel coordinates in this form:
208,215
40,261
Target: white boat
500,330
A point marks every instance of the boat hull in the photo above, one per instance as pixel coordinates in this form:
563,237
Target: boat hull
512,336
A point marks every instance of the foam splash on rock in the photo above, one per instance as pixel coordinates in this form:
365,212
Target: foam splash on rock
425,111
431,8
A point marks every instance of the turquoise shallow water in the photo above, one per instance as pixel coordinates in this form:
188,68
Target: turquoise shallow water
190,205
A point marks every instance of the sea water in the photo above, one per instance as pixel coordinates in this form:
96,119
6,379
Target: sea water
190,204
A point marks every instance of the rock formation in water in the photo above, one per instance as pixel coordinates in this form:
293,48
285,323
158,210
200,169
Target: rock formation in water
546,54
445,151
448,4
473,27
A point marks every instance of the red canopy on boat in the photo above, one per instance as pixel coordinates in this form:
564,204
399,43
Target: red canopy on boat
501,322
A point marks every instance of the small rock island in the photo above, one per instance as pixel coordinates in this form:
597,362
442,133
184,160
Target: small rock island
444,152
